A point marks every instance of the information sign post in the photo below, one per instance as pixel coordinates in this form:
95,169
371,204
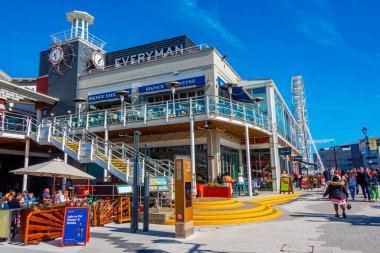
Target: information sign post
183,198
76,225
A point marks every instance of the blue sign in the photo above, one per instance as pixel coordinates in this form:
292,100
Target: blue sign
105,96
76,225
199,80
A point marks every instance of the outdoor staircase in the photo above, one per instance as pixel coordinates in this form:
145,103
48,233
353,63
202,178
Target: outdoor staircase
219,211
86,147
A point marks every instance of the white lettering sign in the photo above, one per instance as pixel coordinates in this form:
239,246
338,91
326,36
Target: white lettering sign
147,56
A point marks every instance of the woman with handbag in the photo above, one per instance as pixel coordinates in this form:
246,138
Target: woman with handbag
338,195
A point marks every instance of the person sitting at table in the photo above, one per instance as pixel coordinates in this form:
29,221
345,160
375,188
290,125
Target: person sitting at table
87,197
66,196
228,180
13,202
59,198
45,196
31,199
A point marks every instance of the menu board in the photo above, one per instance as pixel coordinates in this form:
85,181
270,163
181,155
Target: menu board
76,225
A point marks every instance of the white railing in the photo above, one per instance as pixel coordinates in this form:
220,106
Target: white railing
68,35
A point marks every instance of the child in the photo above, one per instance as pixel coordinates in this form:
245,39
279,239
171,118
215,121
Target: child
374,184
337,194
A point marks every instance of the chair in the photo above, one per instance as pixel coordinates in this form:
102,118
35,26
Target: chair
240,187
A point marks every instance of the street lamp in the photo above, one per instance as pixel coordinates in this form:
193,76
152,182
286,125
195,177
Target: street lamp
335,149
257,101
364,130
172,86
78,103
122,95
229,86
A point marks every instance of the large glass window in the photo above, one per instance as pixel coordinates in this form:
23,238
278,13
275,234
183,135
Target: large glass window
230,161
171,152
259,93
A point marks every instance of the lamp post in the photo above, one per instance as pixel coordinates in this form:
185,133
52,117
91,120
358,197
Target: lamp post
172,86
335,149
257,101
122,95
364,130
229,86
78,103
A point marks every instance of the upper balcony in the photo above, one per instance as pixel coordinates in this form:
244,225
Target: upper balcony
169,112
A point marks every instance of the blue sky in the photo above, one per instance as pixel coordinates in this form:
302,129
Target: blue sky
334,45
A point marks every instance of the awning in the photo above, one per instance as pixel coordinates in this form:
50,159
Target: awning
10,91
238,93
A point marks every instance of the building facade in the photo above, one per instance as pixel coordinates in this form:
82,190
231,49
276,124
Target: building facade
183,98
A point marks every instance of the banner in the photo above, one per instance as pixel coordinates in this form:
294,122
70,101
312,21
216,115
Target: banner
373,144
76,225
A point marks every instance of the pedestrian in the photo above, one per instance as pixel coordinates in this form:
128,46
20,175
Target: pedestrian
374,185
363,180
337,194
352,184
219,178
13,202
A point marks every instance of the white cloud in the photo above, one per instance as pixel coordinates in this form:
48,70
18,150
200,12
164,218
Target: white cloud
189,10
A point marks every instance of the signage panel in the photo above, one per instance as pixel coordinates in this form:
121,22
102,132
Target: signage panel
158,184
285,151
297,158
105,96
76,225
193,81
124,189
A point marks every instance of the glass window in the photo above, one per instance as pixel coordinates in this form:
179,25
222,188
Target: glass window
183,95
150,99
200,93
191,94
166,97
158,99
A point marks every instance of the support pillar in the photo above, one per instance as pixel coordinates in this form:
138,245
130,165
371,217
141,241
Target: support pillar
192,149
64,179
39,115
26,164
105,173
241,167
213,153
248,159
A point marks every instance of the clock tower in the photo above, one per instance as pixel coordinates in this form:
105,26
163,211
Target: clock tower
73,53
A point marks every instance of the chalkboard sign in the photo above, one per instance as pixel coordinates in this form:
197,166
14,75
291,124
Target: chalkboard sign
286,185
76,225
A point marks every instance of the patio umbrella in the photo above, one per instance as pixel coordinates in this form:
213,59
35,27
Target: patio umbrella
54,168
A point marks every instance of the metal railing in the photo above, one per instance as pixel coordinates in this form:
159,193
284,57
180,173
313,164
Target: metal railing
69,34
165,111
187,50
12,123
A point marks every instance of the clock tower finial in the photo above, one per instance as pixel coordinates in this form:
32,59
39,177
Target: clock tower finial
80,21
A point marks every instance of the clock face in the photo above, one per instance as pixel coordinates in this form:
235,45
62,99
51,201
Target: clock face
98,59
56,55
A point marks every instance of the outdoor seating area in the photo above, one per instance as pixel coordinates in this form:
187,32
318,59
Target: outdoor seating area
165,110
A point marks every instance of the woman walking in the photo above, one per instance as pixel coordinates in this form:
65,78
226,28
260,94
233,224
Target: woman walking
337,194
352,184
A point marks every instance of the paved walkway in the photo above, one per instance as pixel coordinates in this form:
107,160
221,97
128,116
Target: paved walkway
307,225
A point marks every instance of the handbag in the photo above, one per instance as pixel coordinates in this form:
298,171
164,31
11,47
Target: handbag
348,206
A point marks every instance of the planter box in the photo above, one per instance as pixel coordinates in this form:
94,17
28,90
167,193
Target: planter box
216,192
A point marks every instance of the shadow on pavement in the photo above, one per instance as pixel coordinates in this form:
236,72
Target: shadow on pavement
356,220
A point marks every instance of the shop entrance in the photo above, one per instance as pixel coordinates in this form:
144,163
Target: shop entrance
230,161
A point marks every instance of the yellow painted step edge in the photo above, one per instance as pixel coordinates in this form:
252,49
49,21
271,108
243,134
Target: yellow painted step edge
254,209
276,213
214,202
203,207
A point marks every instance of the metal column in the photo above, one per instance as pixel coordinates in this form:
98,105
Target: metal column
136,164
248,158
64,179
192,147
105,173
26,164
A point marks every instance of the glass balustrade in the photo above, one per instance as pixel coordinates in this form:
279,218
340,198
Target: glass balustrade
167,110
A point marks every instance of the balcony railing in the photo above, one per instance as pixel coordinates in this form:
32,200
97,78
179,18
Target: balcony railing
166,111
12,123
68,34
